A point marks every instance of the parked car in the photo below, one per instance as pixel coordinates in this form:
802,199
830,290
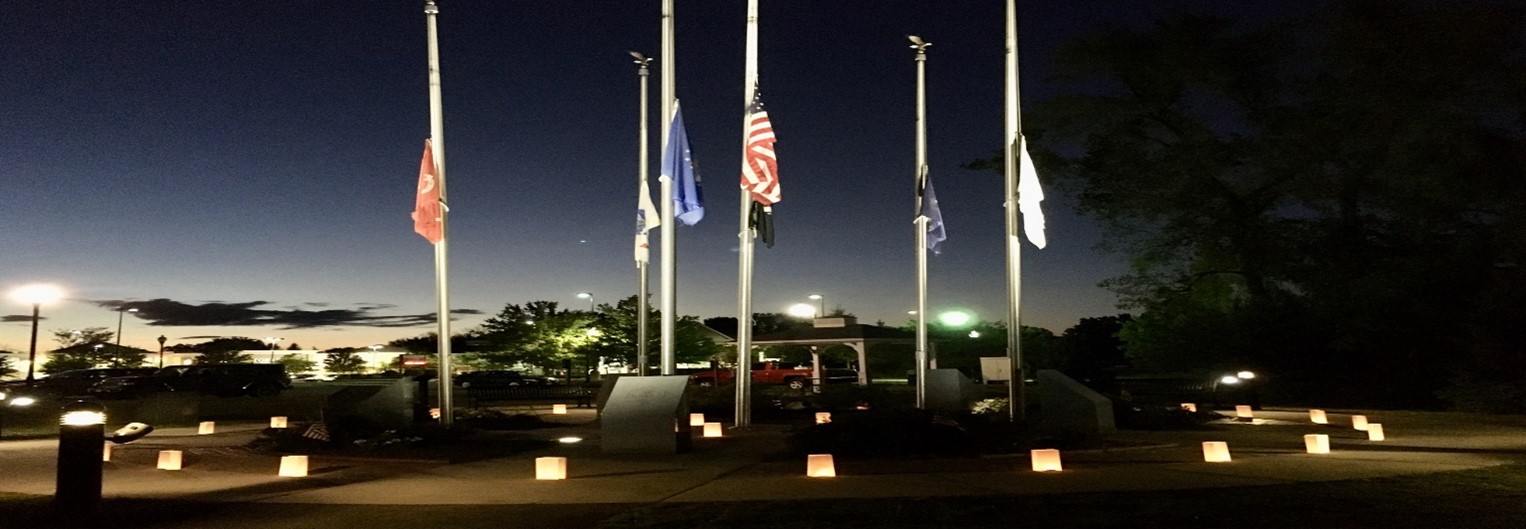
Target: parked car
224,380
68,383
495,379
796,377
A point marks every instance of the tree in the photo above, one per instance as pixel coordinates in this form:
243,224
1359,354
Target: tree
540,334
429,344
294,347
342,360
7,367
113,355
225,350
762,323
87,336
296,363
1311,197
1092,349
59,362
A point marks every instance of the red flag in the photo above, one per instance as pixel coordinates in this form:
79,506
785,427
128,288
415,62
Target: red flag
426,211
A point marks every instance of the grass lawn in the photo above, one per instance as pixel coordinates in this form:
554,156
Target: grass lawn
1482,498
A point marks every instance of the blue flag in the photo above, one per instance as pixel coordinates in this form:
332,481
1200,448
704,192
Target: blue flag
678,167
935,233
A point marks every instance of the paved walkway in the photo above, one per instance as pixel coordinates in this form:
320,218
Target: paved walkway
738,467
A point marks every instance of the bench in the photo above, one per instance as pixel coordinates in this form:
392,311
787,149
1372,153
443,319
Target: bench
583,396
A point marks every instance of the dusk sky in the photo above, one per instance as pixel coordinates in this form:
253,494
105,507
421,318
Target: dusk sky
248,168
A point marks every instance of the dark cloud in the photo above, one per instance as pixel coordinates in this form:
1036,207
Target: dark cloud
24,318
171,313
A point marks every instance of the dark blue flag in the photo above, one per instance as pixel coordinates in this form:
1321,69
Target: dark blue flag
935,234
678,167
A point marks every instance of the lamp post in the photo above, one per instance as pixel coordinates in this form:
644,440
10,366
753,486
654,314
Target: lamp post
272,343
821,303
374,348
588,296
35,295
162,339
121,313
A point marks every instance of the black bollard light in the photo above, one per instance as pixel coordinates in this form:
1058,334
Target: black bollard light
81,434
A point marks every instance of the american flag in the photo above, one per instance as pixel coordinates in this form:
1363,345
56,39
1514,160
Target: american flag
760,169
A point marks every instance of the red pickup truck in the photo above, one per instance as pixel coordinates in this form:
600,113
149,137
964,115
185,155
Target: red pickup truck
796,377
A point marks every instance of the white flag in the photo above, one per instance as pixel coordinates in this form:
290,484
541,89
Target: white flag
646,219
1029,194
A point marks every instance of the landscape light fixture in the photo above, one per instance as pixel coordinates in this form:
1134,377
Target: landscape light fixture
81,434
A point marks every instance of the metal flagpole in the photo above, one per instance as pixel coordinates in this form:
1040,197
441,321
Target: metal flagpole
747,234
441,255
669,246
921,174
1016,393
643,304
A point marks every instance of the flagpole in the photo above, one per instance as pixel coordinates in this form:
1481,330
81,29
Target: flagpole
745,236
669,286
441,253
1016,392
921,174
643,304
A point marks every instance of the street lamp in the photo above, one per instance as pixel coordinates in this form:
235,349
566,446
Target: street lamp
35,295
374,348
821,303
802,310
588,296
272,343
162,339
955,318
121,313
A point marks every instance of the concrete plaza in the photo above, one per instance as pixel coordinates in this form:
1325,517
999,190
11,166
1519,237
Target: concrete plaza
748,465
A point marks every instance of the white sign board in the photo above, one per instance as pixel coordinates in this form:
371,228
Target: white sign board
995,369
